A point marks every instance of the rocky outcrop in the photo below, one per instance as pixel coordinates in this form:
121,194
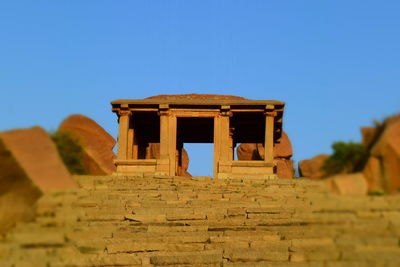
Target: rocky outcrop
282,154
97,144
368,135
284,148
348,184
248,151
284,168
382,169
29,166
312,168
183,165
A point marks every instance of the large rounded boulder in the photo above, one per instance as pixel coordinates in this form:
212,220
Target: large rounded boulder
97,144
312,168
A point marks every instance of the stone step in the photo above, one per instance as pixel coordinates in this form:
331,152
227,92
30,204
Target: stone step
255,255
158,221
205,257
140,246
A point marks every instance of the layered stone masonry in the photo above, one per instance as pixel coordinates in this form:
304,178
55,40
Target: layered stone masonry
159,221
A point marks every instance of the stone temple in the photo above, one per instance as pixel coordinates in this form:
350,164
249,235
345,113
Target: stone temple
170,122
148,214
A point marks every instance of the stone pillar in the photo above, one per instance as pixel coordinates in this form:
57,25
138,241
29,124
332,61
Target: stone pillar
167,162
163,162
217,144
124,120
172,144
269,134
224,163
130,144
224,136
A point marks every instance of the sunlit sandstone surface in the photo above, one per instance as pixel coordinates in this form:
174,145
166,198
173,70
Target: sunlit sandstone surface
183,221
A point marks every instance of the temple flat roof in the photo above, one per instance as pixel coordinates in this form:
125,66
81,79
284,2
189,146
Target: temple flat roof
196,102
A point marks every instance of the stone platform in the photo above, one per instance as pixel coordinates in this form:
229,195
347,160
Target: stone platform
180,221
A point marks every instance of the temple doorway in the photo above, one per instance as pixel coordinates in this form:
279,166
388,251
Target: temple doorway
201,160
196,136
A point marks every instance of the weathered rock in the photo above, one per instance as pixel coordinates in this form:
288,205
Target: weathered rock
29,166
251,151
368,135
96,142
248,151
282,154
372,172
284,168
348,184
184,165
311,168
154,153
284,148
382,170
154,150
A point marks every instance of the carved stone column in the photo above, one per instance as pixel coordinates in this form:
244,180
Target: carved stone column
222,146
124,119
269,134
166,164
164,133
217,145
172,144
163,162
225,135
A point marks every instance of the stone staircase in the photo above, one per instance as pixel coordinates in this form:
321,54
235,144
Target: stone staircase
180,221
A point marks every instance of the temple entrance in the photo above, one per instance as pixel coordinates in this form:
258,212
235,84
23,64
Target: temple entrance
196,136
201,160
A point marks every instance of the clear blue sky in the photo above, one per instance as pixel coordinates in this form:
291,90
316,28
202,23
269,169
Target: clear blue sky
335,63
